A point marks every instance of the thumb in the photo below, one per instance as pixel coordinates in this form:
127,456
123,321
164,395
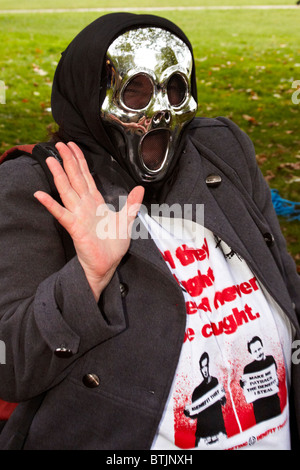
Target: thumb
132,206
133,203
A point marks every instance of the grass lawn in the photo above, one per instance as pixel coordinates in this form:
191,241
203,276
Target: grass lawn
247,62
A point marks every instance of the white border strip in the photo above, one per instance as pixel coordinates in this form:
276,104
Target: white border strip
180,8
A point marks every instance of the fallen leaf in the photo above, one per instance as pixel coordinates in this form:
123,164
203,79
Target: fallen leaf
290,165
250,119
269,175
261,158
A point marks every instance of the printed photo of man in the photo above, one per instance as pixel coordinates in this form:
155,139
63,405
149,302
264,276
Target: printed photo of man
268,406
210,422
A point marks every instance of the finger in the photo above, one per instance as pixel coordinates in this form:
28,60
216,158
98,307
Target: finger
133,203
67,194
126,217
78,154
62,215
72,169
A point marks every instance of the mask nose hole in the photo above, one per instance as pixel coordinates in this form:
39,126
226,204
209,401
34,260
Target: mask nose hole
160,117
167,117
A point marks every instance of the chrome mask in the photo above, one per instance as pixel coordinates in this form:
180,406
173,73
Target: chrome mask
148,99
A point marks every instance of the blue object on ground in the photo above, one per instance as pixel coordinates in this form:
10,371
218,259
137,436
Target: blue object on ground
285,208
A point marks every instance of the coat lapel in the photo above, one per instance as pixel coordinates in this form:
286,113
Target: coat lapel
191,189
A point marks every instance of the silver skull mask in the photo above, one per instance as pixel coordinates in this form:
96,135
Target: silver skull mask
148,99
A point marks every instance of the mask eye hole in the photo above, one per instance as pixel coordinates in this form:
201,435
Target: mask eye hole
176,89
138,92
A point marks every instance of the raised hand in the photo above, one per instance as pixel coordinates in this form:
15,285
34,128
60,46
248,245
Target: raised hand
82,210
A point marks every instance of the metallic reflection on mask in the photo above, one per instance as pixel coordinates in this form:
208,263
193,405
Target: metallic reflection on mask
148,99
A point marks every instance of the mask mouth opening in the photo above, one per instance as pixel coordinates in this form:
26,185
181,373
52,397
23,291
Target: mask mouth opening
154,148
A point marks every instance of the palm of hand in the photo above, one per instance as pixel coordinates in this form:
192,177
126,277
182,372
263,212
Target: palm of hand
84,213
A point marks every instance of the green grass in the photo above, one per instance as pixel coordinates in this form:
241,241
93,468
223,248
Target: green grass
246,64
36,4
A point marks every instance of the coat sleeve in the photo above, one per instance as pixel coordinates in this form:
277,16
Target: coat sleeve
261,195
46,304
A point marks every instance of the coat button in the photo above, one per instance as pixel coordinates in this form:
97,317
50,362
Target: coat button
91,380
63,352
124,289
269,239
213,180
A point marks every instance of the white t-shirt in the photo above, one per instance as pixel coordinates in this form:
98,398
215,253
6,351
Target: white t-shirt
227,393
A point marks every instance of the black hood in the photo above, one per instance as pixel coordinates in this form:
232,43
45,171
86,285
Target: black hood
79,85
